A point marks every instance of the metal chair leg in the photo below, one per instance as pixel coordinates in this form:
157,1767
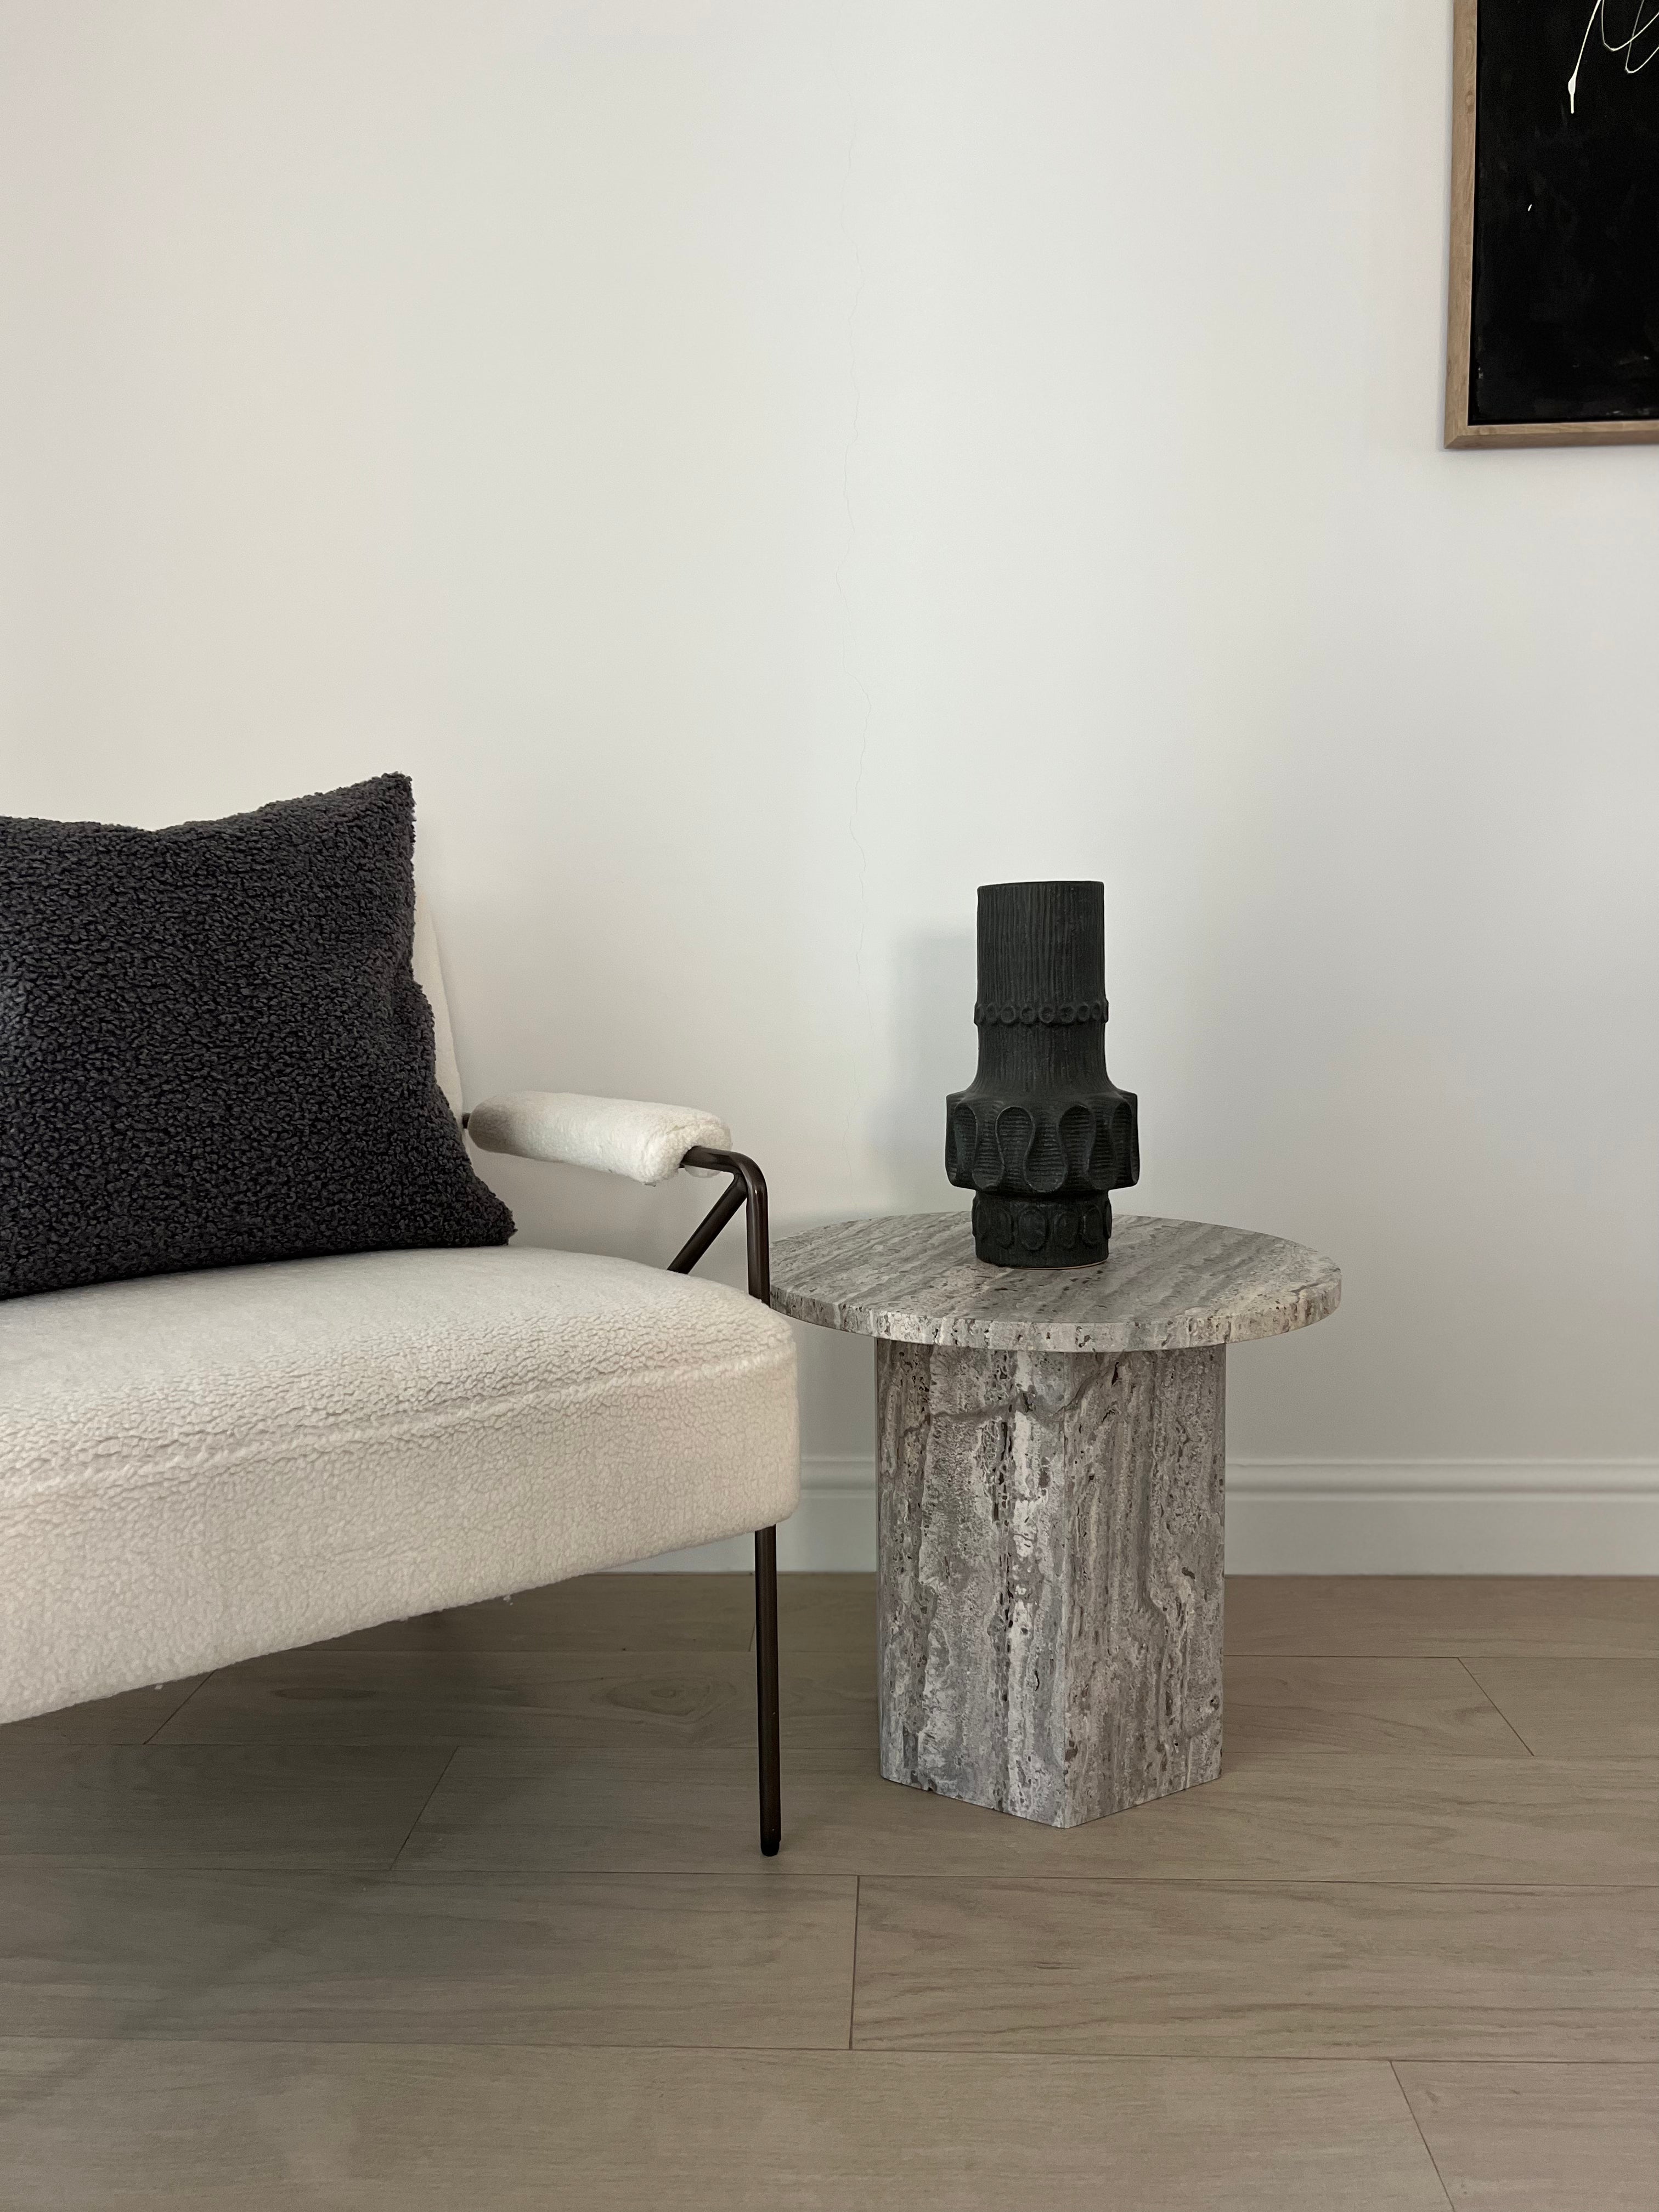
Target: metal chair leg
766,1688
746,1192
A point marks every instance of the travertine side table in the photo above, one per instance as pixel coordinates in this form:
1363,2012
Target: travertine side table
1050,1461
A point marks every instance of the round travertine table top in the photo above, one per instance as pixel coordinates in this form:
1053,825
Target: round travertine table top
1163,1287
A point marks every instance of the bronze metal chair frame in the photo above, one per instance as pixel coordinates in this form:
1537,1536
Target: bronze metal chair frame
747,1191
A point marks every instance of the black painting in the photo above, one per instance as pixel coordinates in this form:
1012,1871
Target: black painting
1564,313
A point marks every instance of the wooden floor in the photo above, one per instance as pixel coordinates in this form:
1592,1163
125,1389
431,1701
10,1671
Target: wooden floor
468,1912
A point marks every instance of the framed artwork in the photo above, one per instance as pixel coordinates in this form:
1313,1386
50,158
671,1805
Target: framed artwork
1552,329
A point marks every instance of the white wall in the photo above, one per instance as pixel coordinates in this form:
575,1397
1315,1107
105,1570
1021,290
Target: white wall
764,469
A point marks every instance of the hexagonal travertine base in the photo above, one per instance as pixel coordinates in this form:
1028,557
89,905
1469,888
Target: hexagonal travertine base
1051,1575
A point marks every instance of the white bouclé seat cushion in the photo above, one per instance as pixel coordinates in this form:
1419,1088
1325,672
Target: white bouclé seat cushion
200,1468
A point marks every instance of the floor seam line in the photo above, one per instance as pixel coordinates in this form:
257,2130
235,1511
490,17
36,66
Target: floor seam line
1393,2068
963,2052
179,1707
1496,1708
421,1815
853,1992
1291,1881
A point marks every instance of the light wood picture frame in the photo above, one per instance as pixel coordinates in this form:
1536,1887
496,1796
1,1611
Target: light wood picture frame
1460,432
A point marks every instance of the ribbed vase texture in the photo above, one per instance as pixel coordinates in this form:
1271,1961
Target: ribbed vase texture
1042,1134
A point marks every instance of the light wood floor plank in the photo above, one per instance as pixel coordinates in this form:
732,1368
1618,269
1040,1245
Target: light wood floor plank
827,1612
712,1960
1576,1707
1380,1616
594,1612
688,1698
1407,1616
170,2127
1275,1817
131,1718
287,1805
1189,2005
1426,1707
1542,2138
705,1700
1338,1971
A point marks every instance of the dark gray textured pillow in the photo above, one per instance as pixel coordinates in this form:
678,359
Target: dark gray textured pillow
213,1048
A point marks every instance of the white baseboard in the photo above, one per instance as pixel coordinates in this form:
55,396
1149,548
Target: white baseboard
1320,1517
1443,1517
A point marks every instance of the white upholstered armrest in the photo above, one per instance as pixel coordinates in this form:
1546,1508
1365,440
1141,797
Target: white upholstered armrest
623,1136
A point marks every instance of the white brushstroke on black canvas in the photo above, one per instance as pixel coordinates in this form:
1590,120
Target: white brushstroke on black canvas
1644,31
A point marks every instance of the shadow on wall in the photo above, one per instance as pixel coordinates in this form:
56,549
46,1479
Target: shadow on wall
935,1050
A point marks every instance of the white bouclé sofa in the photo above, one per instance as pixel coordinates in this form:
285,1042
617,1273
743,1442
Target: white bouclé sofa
201,1468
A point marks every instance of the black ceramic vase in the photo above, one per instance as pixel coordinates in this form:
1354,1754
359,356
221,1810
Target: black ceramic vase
1042,1134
